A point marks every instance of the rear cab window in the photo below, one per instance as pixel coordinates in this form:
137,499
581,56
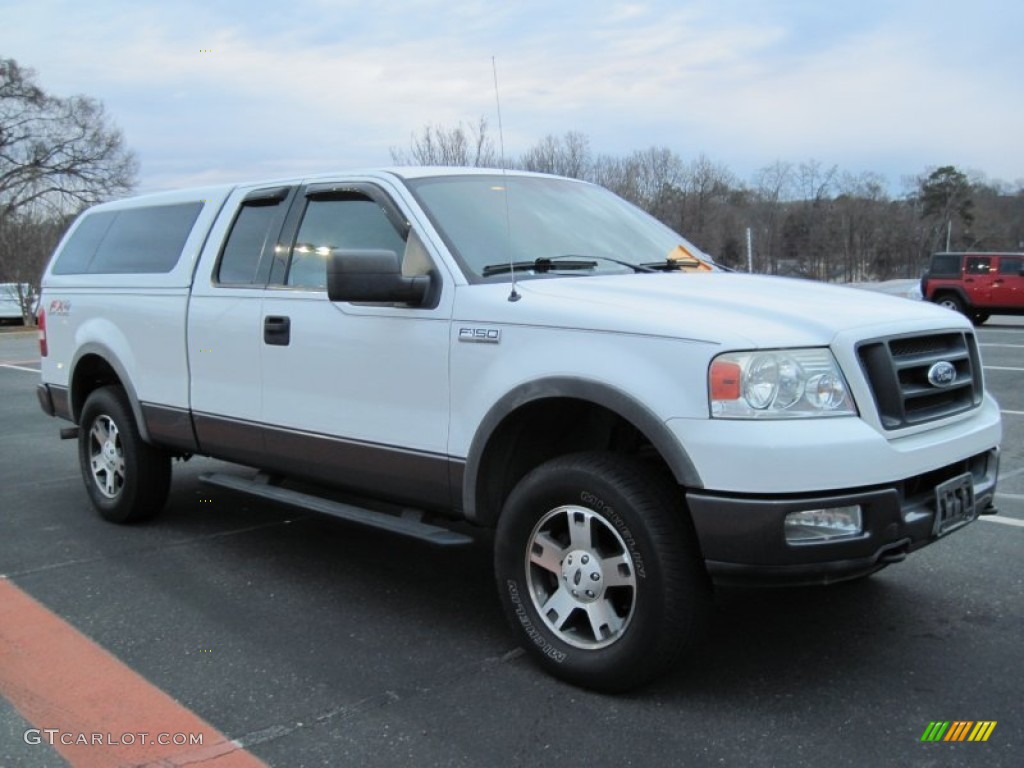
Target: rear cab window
249,248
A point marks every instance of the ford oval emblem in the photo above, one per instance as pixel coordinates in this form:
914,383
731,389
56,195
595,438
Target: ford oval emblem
942,374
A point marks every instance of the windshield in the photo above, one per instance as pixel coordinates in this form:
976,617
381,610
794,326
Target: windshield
565,227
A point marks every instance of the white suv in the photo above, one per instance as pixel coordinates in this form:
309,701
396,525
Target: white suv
526,353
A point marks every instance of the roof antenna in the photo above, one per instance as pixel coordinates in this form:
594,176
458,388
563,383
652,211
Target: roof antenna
514,295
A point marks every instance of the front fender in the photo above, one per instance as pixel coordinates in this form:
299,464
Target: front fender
608,397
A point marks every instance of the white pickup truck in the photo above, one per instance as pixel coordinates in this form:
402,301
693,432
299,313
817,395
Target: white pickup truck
526,353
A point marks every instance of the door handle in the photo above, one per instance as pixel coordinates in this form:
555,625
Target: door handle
277,330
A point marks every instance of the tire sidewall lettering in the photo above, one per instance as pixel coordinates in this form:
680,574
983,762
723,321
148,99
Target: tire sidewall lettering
532,632
597,504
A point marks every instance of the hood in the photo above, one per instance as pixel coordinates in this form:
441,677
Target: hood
735,310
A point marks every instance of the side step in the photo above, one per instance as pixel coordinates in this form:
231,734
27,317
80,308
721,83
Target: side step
404,526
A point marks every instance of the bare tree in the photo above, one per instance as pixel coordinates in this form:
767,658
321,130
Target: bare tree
567,155
449,145
648,178
998,217
707,188
860,210
26,243
57,155
808,231
773,184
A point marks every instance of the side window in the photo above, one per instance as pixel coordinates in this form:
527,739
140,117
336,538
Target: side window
979,265
351,221
1010,266
253,226
133,240
945,265
78,251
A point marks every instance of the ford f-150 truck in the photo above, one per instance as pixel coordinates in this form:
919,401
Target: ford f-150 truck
526,353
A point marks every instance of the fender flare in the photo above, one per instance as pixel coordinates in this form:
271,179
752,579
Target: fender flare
957,291
609,397
111,359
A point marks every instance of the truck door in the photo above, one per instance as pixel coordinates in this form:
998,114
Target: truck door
1008,284
979,277
355,394
224,324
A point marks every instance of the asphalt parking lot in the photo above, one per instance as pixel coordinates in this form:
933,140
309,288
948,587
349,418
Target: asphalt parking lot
309,642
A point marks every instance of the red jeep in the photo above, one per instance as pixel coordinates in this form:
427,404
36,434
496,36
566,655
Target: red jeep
976,284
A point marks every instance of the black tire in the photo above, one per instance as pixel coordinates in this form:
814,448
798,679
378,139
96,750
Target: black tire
951,301
634,545
979,318
127,480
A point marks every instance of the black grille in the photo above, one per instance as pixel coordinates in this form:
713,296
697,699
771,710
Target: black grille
897,370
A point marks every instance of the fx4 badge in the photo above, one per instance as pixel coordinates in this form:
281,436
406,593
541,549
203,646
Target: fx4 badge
59,307
480,335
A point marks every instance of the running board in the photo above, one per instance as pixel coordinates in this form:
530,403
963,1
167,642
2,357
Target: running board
404,526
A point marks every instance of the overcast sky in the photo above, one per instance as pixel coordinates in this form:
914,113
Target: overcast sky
226,91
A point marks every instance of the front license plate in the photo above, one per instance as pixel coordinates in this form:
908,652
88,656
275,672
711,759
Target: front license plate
954,504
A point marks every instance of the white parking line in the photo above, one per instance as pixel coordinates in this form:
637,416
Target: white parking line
1001,368
1004,520
19,368
1004,346
1013,413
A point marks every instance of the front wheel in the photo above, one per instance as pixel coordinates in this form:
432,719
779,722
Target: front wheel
598,570
127,479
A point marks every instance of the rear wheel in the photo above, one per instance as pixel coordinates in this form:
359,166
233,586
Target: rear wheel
127,479
598,570
979,318
951,301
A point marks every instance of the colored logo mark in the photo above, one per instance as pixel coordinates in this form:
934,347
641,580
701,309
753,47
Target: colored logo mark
958,730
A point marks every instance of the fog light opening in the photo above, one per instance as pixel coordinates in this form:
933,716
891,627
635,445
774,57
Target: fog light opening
813,526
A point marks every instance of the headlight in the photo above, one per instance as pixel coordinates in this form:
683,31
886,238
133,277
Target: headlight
778,384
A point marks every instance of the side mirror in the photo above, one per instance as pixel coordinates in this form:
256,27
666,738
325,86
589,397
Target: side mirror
372,275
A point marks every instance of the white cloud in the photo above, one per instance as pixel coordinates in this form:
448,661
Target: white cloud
311,85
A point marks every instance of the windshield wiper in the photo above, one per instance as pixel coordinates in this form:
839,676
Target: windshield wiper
621,262
668,265
565,261
538,265
672,265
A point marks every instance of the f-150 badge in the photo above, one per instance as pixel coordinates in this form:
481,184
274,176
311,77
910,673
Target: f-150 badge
480,335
